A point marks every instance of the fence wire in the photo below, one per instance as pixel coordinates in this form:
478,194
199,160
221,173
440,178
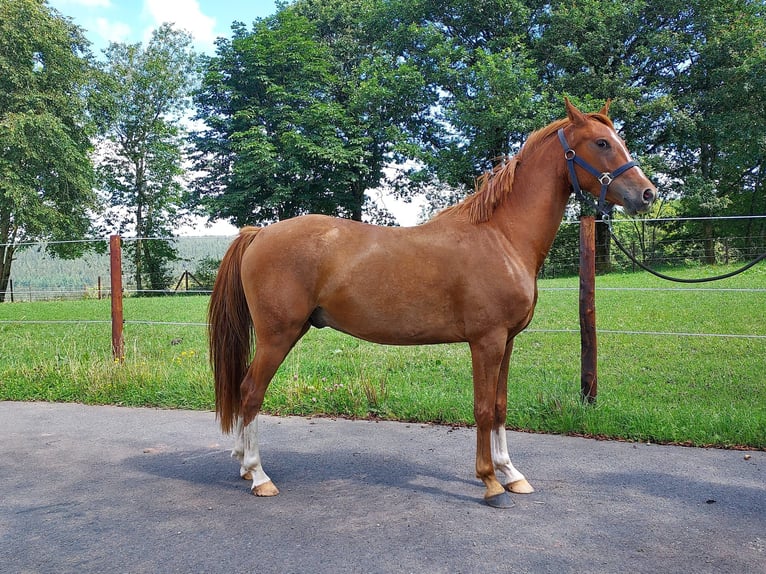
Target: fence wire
88,276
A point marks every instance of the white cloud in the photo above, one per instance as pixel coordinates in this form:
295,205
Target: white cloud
112,31
185,15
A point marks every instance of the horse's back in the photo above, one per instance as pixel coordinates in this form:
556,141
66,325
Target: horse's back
304,244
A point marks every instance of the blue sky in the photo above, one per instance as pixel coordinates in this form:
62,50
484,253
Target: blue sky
132,21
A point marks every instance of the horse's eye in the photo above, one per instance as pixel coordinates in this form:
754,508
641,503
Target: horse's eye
602,144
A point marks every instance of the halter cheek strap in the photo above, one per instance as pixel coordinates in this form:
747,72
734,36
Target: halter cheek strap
603,207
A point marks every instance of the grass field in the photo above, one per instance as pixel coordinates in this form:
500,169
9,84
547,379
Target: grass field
696,390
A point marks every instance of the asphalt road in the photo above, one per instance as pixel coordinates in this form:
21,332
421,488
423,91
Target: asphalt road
108,489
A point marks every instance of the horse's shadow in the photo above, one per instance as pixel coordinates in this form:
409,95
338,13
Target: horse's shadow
294,470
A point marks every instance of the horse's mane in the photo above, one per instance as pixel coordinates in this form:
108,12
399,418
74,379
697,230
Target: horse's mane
492,187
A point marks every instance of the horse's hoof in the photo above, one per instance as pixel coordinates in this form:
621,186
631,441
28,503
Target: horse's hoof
265,489
502,500
520,487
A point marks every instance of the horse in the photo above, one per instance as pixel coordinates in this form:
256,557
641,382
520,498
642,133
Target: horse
468,275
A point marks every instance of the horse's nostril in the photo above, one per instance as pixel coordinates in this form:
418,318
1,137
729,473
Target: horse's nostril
648,195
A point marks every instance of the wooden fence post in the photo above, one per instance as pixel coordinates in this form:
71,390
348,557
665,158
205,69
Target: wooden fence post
115,265
588,345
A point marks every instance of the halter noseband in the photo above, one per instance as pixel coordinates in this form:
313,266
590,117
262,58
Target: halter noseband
603,207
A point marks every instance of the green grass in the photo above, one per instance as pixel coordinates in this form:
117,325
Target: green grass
671,389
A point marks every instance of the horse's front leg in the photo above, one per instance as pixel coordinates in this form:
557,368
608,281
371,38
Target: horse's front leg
514,481
247,452
486,357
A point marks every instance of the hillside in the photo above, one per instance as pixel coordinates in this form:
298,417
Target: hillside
34,270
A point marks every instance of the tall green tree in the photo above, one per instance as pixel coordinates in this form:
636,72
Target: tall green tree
302,115
715,141
476,61
274,142
46,176
386,97
145,91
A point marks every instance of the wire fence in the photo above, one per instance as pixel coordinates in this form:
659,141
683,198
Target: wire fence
665,243
39,276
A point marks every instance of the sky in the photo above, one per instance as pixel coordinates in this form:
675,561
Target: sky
132,21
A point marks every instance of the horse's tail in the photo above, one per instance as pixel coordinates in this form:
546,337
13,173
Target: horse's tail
230,332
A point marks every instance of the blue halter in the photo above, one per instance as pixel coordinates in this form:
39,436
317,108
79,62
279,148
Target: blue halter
603,207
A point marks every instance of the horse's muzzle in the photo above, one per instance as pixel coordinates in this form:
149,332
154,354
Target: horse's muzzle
638,202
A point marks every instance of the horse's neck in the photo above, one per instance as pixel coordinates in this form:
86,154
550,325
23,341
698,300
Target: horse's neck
532,213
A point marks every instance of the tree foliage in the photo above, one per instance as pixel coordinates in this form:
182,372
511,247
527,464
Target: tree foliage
144,92
303,114
46,177
480,77
306,109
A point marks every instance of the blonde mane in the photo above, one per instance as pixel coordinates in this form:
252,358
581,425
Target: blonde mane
492,187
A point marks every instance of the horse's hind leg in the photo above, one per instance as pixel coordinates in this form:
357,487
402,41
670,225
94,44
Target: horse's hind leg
268,357
247,452
514,481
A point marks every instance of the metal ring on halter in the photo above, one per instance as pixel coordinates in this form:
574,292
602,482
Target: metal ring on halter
569,154
605,179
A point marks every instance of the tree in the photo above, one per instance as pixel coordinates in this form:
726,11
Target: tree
385,95
46,177
475,59
144,93
302,115
714,142
275,143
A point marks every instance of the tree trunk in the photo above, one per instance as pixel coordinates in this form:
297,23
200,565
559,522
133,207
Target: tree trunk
6,258
356,209
137,264
7,250
603,248
138,248
708,243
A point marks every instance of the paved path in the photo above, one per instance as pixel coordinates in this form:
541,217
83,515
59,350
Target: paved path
102,489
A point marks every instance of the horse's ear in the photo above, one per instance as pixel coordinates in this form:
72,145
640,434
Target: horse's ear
605,110
574,115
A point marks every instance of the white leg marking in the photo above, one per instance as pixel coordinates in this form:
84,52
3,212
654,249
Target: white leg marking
247,452
501,459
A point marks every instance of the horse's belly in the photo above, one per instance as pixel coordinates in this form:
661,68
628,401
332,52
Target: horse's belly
388,328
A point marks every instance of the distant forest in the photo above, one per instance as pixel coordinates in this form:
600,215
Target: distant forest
36,270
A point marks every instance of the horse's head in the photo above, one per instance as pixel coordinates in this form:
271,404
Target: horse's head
599,162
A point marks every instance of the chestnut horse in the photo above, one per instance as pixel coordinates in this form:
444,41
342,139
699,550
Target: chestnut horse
467,275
